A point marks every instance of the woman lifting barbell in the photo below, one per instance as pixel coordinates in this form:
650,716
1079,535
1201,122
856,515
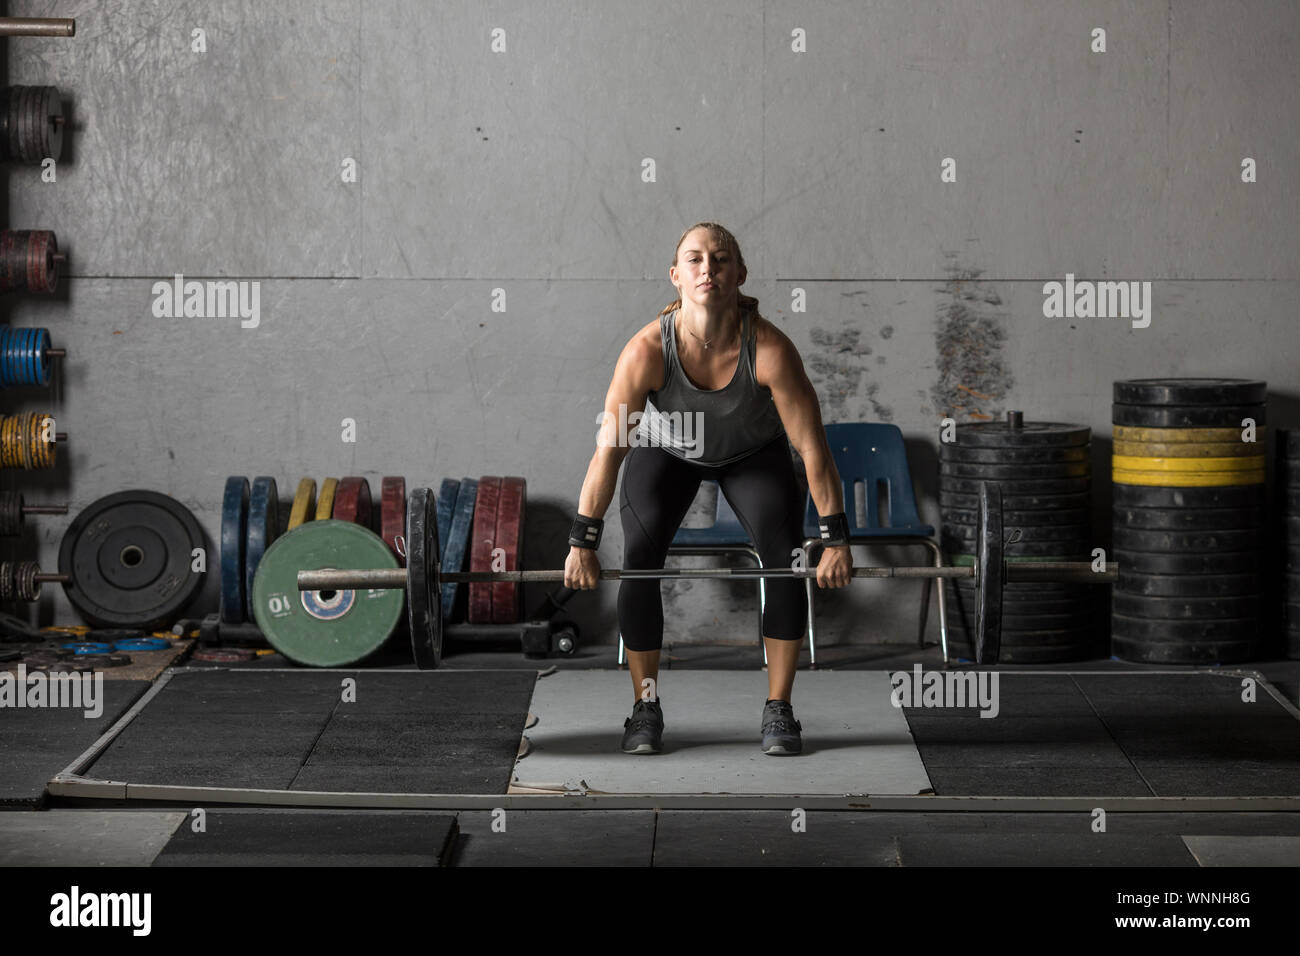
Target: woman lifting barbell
723,394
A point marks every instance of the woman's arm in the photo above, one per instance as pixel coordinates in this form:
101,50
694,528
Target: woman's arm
640,370
779,367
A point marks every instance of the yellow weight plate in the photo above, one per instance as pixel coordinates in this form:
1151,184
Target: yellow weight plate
304,503
1216,449
325,503
1176,479
1169,435
1188,465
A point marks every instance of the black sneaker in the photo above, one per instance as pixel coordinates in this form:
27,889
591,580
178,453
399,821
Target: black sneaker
644,730
780,729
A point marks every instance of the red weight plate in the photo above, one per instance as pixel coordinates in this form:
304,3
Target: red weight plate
392,514
352,501
507,598
482,541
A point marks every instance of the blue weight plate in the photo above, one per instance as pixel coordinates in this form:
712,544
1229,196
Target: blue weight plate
87,647
462,522
447,493
40,355
142,644
234,530
263,528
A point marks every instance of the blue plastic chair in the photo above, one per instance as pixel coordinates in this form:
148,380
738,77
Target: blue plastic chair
873,454
725,536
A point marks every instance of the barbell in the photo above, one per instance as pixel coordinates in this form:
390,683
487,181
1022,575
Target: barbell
422,579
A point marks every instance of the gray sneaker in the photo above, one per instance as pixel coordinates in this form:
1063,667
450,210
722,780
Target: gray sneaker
780,729
644,731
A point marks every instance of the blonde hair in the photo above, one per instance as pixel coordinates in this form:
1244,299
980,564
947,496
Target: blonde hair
721,234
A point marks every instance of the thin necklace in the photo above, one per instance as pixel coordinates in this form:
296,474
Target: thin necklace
707,345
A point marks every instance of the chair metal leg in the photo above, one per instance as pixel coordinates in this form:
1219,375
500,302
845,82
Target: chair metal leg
943,604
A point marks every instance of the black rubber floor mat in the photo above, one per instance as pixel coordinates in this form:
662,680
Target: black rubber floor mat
312,838
362,731
38,742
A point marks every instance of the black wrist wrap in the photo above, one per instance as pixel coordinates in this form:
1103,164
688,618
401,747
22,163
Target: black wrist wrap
835,529
585,532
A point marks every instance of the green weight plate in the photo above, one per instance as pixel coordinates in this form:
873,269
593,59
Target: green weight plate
324,628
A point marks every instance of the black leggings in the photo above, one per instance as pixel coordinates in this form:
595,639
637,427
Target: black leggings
658,489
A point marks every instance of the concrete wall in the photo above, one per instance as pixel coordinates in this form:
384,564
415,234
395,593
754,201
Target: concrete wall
522,170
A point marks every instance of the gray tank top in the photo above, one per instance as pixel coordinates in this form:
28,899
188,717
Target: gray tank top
710,427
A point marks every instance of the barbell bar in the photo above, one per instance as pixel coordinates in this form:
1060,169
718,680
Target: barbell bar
422,579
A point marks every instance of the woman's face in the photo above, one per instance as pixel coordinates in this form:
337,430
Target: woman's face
706,272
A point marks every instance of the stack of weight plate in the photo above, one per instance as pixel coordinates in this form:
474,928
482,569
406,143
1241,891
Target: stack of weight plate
1288,460
1189,497
1044,472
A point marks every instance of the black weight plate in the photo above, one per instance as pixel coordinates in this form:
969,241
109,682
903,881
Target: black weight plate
1187,585
1019,503
1038,434
1049,655
1190,391
1033,455
1288,442
234,529
129,556
1291,615
424,611
983,472
1291,557
1222,562
1034,592
1291,583
1019,519
1163,630
1291,500
1293,645
1044,637
1012,621
1223,496
1291,525
1183,608
1042,486
1187,416
1182,652
988,596
263,529
1181,542
1188,519
111,635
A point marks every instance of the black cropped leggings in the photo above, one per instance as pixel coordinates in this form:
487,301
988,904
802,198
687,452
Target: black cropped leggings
658,489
